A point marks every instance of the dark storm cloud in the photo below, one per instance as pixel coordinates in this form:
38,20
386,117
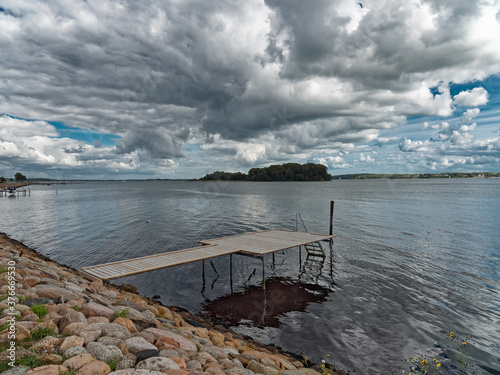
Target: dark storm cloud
163,74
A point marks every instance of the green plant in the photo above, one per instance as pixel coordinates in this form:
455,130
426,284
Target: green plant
23,298
306,360
41,333
69,372
40,310
112,364
3,270
4,366
121,314
30,361
462,346
327,368
76,308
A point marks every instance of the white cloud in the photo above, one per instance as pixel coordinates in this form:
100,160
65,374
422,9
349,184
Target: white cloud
471,98
381,141
333,162
273,80
37,147
455,146
250,153
470,114
414,146
366,158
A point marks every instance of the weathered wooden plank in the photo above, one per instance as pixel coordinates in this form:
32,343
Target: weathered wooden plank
262,242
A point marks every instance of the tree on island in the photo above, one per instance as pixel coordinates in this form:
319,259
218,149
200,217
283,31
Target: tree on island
224,176
290,172
20,177
285,172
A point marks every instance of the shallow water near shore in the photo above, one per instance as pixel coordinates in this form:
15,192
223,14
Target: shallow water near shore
412,259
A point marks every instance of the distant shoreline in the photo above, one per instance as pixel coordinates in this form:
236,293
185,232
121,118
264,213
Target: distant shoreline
354,176
373,176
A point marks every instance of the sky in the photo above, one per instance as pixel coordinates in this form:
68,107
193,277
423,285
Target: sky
117,89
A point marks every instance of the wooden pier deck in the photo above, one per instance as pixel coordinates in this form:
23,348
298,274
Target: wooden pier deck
256,243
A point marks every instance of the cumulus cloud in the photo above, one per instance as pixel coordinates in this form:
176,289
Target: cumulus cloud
381,141
366,158
333,162
455,145
414,146
472,98
469,115
279,79
37,148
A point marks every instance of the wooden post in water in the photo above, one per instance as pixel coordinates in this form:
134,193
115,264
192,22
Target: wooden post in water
231,271
332,204
263,273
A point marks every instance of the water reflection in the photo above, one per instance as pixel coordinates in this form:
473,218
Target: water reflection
263,307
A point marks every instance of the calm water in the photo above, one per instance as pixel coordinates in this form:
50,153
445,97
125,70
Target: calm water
412,260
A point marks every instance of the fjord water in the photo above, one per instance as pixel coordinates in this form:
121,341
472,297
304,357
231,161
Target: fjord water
412,259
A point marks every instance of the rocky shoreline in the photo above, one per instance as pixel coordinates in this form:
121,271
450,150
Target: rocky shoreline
54,320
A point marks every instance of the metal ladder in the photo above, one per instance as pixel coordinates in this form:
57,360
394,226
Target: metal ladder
313,249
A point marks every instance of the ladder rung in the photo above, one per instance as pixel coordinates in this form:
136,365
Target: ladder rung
315,252
316,255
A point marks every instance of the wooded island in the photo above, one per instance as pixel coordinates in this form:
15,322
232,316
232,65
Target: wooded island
285,172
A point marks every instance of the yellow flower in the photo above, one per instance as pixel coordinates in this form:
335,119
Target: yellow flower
438,365
415,359
464,343
425,372
451,334
423,362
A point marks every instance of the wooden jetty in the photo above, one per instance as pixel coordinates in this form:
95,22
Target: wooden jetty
6,192
255,244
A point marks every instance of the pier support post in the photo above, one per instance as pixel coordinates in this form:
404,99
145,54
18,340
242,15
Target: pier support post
332,204
231,271
263,273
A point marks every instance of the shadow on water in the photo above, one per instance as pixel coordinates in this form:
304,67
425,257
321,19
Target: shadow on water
260,307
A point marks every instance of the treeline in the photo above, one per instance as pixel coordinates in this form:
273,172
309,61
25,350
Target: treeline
18,177
290,172
223,176
361,176
285,172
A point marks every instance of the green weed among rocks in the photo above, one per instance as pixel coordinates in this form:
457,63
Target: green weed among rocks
40,311
30,361
121,314
69,372
41,333
112,364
